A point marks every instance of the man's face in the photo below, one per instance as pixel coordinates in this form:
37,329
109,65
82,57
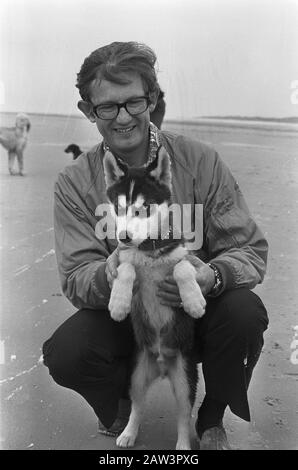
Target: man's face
124,133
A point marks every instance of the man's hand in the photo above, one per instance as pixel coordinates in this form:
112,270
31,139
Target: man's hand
112,264
168,289
205,275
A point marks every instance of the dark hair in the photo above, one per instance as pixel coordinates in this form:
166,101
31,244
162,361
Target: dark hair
113,60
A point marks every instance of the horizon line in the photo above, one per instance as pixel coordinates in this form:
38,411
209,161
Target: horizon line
179,119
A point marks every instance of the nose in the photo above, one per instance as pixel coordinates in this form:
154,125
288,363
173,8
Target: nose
125,236
123,116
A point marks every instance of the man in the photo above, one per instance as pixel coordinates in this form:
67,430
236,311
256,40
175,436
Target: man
91,353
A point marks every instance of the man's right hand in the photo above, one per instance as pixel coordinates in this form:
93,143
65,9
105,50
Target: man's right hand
112,264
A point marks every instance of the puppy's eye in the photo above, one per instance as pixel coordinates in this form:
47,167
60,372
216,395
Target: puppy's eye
146,206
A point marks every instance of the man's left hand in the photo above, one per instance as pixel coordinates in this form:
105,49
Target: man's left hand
168,289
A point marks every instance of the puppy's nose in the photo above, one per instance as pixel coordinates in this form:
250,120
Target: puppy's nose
125,236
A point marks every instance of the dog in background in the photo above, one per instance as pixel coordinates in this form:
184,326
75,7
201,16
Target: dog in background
14,140
74,149
148,252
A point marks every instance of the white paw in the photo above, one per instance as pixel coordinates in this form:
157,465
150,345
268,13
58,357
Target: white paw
118,310
194,303
183,445
119,305
126,439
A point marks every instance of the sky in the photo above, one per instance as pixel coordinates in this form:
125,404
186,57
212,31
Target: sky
215,57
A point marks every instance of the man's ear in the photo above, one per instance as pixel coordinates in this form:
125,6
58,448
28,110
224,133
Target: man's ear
153,100
86,109
113,169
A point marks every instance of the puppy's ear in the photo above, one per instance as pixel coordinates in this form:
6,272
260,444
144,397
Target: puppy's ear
160,168
113,169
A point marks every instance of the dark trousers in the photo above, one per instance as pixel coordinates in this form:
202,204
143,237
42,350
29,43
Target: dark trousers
92,354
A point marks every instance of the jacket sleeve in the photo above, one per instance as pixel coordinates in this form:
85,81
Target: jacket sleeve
234,242
81,257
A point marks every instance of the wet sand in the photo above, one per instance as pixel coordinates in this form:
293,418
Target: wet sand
37,413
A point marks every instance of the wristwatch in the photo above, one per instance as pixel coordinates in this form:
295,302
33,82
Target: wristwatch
218,280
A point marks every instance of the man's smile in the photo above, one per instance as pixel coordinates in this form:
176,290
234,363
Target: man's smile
124,130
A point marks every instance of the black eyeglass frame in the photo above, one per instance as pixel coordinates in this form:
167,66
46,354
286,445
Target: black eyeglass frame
122,105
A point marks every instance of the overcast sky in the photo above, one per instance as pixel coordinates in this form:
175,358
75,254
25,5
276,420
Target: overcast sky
215,57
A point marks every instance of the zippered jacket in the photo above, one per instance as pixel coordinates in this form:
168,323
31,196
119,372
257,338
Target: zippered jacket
231,240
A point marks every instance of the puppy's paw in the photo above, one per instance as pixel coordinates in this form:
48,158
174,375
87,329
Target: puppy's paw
118,309
194,303
183,445
126,439
120,304
194,309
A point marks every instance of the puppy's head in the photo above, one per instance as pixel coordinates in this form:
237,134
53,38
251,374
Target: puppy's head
139,196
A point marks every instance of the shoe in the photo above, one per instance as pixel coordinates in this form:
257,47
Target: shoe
119,423
215,438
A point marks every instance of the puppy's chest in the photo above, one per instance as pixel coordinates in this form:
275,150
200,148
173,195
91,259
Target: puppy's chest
157,314
149,272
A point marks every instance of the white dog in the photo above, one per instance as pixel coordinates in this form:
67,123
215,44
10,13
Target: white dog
14,140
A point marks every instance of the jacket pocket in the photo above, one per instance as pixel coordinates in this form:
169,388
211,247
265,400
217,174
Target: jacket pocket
230,224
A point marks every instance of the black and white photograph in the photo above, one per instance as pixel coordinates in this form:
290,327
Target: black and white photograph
148,227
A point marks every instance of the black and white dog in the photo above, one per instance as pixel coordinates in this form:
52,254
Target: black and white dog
74,149
148,251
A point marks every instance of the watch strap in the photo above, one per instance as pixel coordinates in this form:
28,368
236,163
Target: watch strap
218,280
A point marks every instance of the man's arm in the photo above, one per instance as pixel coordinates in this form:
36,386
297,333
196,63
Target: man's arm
236,245
81,257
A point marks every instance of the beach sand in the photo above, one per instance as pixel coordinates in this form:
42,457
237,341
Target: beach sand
37,413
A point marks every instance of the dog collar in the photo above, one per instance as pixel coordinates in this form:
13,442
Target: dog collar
152,244
160,245
156,248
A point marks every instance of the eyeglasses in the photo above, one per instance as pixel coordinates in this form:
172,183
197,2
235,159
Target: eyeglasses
133,107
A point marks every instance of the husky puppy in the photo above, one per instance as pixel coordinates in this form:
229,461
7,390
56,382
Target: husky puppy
148,251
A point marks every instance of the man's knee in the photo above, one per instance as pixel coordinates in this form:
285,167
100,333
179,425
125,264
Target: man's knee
241,308
87,347
73,365
61,362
